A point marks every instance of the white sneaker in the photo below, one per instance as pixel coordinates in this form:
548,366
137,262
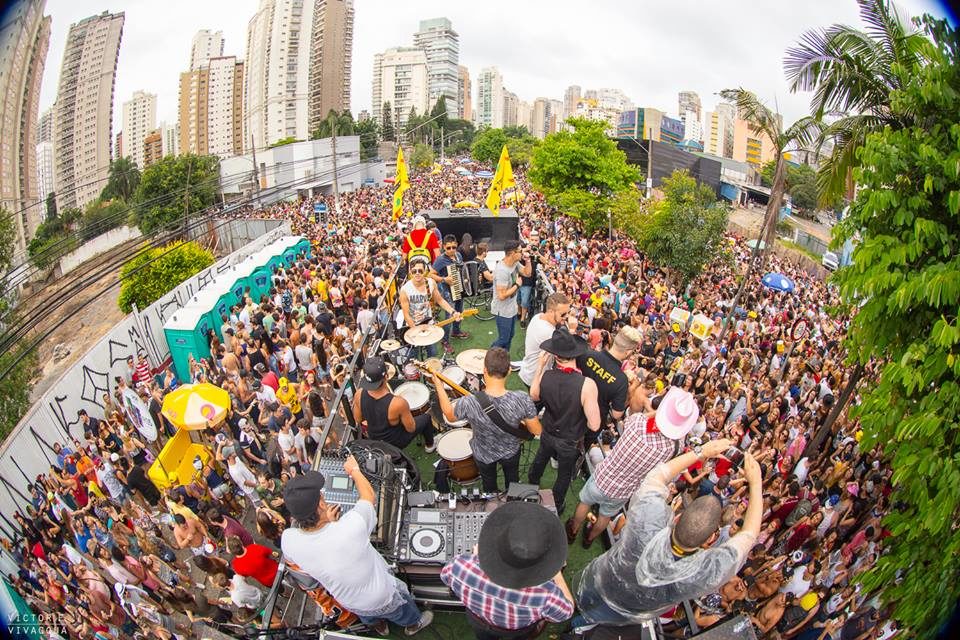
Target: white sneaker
515,365
554,464
431,449
425,619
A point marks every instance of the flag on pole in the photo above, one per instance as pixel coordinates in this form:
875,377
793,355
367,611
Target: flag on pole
502,180
403,183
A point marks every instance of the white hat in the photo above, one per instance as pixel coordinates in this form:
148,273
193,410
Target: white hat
677,413
114,456
242,422
419,220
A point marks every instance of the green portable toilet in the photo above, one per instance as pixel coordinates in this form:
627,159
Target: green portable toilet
212,299
237,281
304,247
259,280
186,332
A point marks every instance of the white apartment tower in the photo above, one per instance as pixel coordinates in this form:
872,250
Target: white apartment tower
139,120
570,99
489,106
442,46
331,55
400,78
688,101
83,119
206,44
464,94
45,155
718,130
277,72
24,40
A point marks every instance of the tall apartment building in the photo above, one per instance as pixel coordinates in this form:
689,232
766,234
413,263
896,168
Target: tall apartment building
718,130
592,110
400,78
211,108
442,46
276,91
489,105
751,145
525,114
464,94
608,98
118,145
153,148
541,118
206,44
689,101
331,55
692,128
45,154
510,105
570,99
24,40
83,121
139,119
170,137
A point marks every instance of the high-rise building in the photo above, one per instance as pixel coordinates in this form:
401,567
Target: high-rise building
24,40
555,108
525,114
592,110
331,55
400,78
689,101
692,129
540,118
751,145
118,145
83,121
153,148
489,105
45,154
170,138
276,91
608,98
645,123
464,94
442,46
139,119
206,44
718,130
570,99
510,105
211,108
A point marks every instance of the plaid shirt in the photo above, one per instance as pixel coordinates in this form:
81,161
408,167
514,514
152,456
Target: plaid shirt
641,448
499,606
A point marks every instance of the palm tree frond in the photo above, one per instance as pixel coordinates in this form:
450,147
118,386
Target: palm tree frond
752,110
806,132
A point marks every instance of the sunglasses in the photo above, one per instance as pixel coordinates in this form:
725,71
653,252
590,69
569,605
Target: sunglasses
452,247
417,271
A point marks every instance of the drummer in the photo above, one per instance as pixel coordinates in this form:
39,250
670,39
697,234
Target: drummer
387,415
417,296
493,444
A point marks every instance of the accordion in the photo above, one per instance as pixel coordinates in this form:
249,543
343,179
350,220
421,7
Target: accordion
461,285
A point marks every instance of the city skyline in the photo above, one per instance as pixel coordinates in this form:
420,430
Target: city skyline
744,44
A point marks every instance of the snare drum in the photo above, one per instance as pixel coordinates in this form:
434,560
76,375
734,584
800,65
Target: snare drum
454,448
455,424
411,372
454,374
417,396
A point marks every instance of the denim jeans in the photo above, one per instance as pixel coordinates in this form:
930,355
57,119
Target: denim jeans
405,615
505,328
457,306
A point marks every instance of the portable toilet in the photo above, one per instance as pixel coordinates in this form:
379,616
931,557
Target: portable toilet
291,249
303,246
186,333
274,255
212,299
259,280
236,280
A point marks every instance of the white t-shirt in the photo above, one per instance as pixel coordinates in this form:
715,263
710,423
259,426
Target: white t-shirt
244,594
286,442
347,565
538,331
241,474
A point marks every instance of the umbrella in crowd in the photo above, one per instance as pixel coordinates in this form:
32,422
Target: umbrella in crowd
778,282
194,406
484,174
466,204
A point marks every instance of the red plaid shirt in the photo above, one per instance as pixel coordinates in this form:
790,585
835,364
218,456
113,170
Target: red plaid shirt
637,452
499,606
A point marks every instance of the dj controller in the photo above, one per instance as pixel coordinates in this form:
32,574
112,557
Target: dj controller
435,536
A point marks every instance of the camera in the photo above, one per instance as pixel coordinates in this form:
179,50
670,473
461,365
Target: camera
735,456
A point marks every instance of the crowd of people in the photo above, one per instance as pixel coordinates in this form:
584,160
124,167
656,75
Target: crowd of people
709,460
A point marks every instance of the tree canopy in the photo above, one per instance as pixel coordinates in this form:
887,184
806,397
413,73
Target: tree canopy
174,186
153,272
122,181
386,123
369,134
339,123
422,157
905,284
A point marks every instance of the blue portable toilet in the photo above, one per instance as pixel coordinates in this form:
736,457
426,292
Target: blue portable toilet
290,250
186,333
304,247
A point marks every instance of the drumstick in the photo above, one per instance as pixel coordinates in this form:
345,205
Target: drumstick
444,379
464,314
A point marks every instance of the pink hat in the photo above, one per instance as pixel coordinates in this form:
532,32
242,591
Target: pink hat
853,488
677,413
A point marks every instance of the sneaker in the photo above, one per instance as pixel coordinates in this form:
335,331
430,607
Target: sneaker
425,619
462,335
554,464
515,365
447,348
431,448
381,628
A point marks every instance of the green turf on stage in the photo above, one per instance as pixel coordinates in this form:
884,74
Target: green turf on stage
453,625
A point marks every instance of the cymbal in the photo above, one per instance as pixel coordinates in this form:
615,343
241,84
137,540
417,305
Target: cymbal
391,371
423,335
471,360
390,345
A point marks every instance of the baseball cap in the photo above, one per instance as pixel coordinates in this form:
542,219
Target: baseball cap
374,371
114,456
259,368
302,494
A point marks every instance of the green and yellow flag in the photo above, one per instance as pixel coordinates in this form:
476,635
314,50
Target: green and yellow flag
402,183
502,180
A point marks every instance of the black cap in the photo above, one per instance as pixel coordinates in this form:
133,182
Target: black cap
302,494
374,371
259,368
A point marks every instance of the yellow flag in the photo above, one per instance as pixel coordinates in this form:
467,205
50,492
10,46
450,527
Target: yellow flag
402,183
502,180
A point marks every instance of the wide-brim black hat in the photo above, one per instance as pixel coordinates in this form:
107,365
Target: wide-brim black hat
522,544
564,345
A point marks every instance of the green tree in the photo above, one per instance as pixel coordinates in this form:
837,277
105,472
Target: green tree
153,272
579,171
101,216
521,151
284,141
51,205
767,170
386,123
487,145
122,181
685,230
174,186
905,284
853,72
459,135
368,132
8,231
422,157
802,187
53,238
439,112
517,131
340,123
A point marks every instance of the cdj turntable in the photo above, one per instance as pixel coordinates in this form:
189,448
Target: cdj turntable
435,536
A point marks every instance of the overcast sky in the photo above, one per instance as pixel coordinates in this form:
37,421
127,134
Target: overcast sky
648,49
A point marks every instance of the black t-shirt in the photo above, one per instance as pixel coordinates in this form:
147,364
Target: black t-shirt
605,370
532,279
325,322
92,427
137,479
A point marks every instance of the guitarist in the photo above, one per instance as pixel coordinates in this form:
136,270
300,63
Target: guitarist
418,295
500,420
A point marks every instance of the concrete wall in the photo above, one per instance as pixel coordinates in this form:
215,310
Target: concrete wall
95,246
54,417
790,255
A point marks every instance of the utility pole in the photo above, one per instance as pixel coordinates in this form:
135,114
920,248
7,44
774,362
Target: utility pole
649,161
610,224
336,185
186,199
256,170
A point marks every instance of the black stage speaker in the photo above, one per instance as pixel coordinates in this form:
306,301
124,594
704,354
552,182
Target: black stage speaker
482,225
